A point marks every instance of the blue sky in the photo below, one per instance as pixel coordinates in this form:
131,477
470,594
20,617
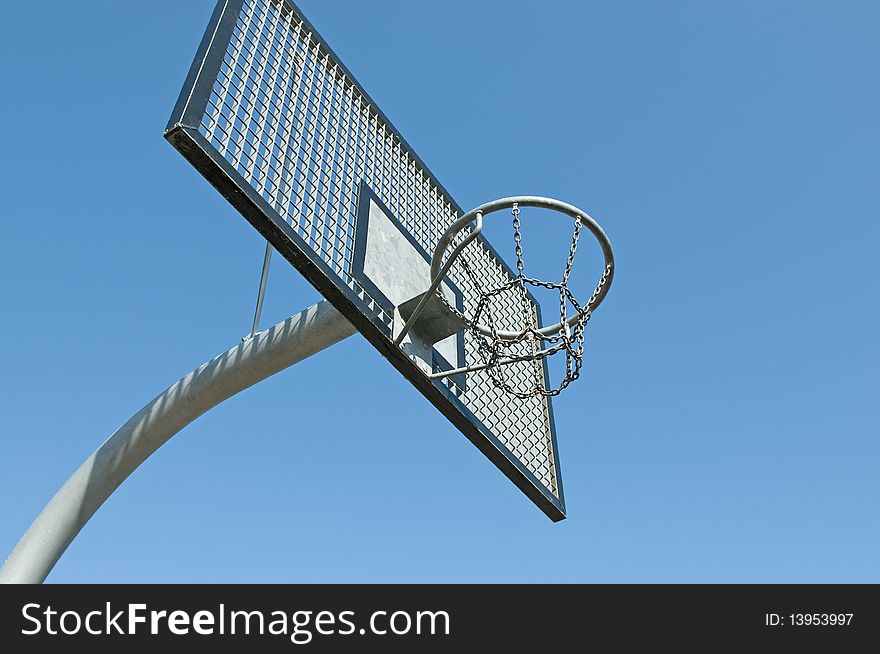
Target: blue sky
723,430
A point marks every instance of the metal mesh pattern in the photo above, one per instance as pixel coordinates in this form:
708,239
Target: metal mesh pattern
299,131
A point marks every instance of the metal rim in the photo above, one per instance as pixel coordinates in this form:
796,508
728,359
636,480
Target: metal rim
525,201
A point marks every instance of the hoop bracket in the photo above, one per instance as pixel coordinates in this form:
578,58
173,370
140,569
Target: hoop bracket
435,321
438,273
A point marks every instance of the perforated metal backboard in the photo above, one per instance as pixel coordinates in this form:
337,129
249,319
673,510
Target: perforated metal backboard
273,119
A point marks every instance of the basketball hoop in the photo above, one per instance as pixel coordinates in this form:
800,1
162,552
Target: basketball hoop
498,348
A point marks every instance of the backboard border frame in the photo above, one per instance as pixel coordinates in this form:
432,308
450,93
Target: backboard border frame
182,131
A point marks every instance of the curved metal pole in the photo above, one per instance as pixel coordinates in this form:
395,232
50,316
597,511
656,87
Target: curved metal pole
255,359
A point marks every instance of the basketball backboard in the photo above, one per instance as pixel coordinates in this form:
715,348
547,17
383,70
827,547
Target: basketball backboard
271,117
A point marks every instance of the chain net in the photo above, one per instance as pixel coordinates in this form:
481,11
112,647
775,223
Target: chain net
498,351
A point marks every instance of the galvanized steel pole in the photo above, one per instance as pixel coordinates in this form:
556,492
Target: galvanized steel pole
255,359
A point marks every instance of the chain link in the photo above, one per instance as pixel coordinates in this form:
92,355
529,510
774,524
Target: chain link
528,317
517,237
571,251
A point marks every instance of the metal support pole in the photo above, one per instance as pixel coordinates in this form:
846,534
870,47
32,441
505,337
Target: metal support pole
253,360
261,293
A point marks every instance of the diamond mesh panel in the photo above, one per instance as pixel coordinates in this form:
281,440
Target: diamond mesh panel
299,131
